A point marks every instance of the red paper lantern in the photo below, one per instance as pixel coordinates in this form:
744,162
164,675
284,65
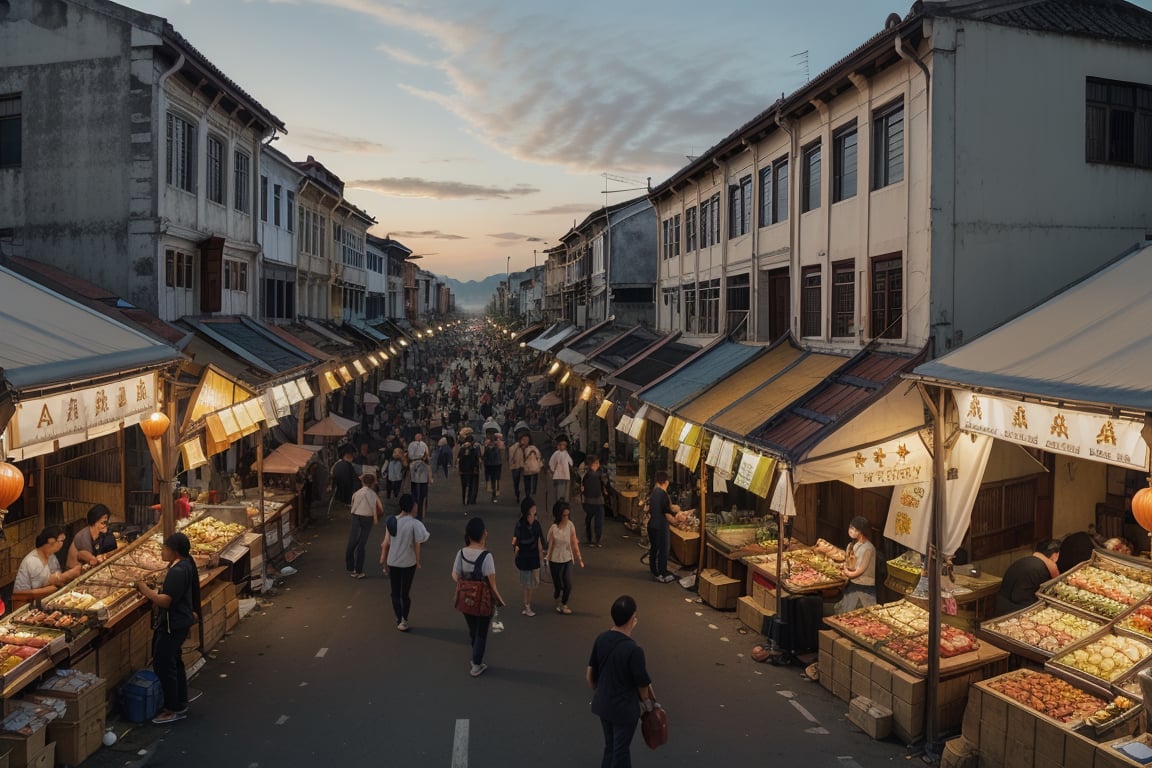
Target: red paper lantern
1142,508
11,484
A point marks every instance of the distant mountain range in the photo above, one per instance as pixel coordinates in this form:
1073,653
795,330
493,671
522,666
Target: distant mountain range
473,295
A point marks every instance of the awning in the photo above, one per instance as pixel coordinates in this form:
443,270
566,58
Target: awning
1090,344
577,349
653,364
552,337
50,340
331,426
739,383
251,342
699,373
529,333
549,400
621,351
289,458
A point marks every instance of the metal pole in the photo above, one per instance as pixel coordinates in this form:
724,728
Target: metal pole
263,517
168,466
934,546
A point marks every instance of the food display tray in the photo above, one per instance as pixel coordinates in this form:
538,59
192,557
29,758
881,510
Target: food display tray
1100,686
769,567
1106,561
986,689
988,630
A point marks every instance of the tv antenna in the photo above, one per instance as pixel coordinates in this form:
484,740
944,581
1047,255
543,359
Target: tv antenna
803,63
625,180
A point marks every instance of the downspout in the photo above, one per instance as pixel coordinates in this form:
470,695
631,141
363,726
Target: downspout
793,257
726,203
607,262
754,272
161,171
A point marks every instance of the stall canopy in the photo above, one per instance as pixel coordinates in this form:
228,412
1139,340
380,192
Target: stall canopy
552,337
1088,344
698,373
577,348
51,340
528,334
251,342
619,352
331,426
652,365
289,458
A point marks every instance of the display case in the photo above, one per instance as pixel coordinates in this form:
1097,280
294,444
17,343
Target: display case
1040,630
1097,662
1105,585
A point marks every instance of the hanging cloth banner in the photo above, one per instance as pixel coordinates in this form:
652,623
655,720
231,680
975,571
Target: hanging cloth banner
192,453
670,437
727,459
783,499
637,427
688,455
690,434
1056,430
624,424
910,511
898,460
714,451
755,473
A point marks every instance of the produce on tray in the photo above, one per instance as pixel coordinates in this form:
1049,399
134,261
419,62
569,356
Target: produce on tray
1140,620
807,568
1047,694
910,562
830,550
953,642
905,617
1117,708
1107,657
11,636
56,619
864,625
209,535
1104,588
1045,627
1097,604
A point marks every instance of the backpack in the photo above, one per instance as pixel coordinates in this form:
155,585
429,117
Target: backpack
532,461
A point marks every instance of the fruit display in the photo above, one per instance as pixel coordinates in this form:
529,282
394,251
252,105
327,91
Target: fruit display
905,617
1079,598
1111,712
1046,694
1102,586
1045,627
1140,620
911,563
807,569
1107,657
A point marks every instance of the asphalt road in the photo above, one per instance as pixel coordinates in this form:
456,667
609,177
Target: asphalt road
322,673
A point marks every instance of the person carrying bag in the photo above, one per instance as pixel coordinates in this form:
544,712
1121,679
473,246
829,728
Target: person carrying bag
476,594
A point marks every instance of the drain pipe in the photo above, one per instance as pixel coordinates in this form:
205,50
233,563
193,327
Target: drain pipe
793,256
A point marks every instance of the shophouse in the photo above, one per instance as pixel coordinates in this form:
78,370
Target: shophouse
279,181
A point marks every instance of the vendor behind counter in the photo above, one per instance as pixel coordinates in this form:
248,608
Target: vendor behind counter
40,574
94,543
1024,577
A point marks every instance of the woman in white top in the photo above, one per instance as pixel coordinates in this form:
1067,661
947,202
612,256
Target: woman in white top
475,556
563,550
366,511
859,568
400,556
40,574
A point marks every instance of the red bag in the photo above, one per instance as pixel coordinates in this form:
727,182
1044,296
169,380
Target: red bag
654,726
473,595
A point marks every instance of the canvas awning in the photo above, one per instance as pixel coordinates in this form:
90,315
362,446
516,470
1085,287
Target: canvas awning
289,458
552,337
331,426
1089,344
698,373
739,383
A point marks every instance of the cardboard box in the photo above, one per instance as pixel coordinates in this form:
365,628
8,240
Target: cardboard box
763,592
841,673
907,719
882,673
861,684
753,615
1049,741
880,696
76,742
841,690
719,591
24,749
958,753
874,720
826,639
842,651
45,758
908,687
83,704
825,662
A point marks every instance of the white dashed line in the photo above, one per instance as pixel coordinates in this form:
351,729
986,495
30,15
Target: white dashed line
321,653
460,745
282,719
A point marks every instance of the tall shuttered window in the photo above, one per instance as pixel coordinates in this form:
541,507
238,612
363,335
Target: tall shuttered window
888,145
1118,126
887,297
810,301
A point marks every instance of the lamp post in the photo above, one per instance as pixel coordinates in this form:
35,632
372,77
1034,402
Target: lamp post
155,428
507,282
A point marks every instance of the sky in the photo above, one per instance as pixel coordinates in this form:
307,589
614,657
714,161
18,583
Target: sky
478,133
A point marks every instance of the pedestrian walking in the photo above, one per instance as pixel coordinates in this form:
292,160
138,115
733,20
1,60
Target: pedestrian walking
560,467
475,556
468,465
660,519
179,602
420,473
444,455
366,511
593,487
343,478
525,461
528,544
394,471
618,674
562,551
493,467
400,556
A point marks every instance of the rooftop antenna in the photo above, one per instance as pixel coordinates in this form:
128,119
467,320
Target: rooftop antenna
803,63
624,180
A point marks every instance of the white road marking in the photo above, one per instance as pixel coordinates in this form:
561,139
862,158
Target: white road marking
303,684
804,712
460,745
847,761
725,640
713,626
321,653
282,719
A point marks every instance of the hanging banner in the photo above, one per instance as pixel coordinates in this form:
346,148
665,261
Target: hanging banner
688,456
783,499
895,461
755,473
910,515
1056,430
670,437
690,434
70,416
636,428
714,448
624,424
214,393
192,454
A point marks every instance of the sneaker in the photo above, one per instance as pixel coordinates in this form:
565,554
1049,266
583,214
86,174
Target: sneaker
564,610
167,716
403,625
667,578
528,611
358,575
478,669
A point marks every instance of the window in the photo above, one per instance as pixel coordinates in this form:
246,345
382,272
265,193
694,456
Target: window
738,301
780,190
887,298
844,163
214,177
810,301
672,236
11,123
740,208
714,215
843,299
705,222
708,297
1119,123
181,158
810,191
671,299
235,275
291,211
177,269
690,230
264,198
242,200
691,318
277,193
279,299
766,196
888,146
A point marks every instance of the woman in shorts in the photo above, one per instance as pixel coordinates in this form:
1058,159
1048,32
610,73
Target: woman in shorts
528,543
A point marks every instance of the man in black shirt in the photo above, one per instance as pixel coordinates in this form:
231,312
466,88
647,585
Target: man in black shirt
660,520
345,480
468,465
619,676
593,487
1024,577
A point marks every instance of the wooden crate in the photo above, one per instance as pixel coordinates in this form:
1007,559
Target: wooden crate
720,591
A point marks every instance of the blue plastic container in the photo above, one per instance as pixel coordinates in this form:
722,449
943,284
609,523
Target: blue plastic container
141,697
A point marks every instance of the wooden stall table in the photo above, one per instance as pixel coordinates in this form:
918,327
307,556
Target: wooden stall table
628,509
975,601
685,546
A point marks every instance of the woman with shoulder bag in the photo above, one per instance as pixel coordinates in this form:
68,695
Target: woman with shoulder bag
474,563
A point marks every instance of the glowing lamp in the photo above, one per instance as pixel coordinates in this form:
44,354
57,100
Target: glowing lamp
1142,508
11,484
555,367
403,342
586,395
565,377
155,425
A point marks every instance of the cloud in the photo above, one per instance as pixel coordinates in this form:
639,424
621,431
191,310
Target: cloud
579,209
591,99
515,238
427,234
317,138
410,186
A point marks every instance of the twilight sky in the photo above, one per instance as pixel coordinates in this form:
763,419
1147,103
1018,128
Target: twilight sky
474,131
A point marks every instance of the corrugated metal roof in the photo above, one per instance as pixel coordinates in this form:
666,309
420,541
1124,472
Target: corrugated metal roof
619,352
1113,20
47,339
698,374
654,364
552,337
251,342
829,405
760,405
591,341
738,383
1089,344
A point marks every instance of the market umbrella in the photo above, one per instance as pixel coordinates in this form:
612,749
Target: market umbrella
549,400
331,426
370,399
392,385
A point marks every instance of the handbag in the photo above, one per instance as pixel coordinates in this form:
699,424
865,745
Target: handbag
473,595
654,725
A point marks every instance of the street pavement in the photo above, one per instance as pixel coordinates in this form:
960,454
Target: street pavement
320,672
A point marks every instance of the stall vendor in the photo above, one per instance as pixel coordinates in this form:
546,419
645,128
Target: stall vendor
94,543
40,574
859,568
1024,577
